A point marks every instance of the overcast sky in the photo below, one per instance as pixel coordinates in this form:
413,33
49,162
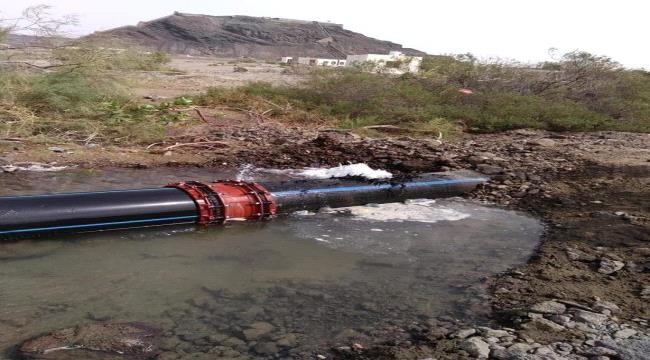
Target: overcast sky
523,30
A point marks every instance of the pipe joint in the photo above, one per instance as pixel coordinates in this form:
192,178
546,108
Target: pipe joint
222,201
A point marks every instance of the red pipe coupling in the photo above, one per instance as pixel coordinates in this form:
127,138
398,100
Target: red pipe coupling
226,200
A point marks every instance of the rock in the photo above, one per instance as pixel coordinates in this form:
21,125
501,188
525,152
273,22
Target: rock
266,348
563,320
517,351
549,307
544,350
544,142
601,306
645,291
369,306
289,340
599,351
520,348
633,349
589,317
461,334
438,332
496,333
624,334
234,343
489,169
476,347
9,168
56,149
562,348
132,339
609,266
579,255
542,324
257,330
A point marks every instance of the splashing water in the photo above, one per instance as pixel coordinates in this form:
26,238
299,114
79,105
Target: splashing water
362,170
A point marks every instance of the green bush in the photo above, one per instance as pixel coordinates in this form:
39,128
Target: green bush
62,92
358,98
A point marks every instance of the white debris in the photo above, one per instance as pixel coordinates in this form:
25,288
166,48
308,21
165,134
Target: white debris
362,170
304,213
32,166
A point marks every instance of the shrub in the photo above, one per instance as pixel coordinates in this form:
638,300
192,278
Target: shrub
504,98
63,92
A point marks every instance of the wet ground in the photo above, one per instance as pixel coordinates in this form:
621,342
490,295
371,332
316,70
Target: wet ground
286,287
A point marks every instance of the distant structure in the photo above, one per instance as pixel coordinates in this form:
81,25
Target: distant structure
395,62
312,61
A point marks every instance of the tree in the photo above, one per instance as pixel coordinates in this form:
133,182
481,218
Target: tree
35,21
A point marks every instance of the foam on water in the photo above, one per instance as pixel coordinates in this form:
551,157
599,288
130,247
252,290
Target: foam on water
250,173
420,210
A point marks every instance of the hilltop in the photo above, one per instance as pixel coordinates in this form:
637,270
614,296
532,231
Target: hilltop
258,37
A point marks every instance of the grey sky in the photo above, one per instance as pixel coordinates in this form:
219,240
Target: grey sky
522,30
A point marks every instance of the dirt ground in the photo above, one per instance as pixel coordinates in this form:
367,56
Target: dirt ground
194,74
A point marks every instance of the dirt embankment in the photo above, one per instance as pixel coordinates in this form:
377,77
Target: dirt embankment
585,293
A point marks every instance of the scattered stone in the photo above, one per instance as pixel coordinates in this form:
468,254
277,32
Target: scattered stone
602,306
543,142
235,343
133,339
563,320
461,334
624,334
609,266
599,351
632,349
578,255
645,291
562,348
489,169
289,340
266,348
56,149
476,347
589,317
542,324
257,330
549,307
496,333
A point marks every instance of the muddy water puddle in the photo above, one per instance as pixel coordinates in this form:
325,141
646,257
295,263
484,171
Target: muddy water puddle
299,281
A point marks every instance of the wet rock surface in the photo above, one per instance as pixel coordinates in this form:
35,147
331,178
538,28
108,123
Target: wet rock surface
95,341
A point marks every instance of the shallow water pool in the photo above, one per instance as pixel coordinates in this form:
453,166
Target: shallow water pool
315,278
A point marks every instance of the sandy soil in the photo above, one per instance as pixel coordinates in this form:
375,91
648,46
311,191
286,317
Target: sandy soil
191,75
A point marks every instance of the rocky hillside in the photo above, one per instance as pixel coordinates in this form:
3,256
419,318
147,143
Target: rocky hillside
265,38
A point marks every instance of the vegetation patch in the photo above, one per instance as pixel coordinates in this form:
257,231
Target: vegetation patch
580,92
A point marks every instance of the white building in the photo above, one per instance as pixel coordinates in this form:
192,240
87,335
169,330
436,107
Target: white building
394,62
320,61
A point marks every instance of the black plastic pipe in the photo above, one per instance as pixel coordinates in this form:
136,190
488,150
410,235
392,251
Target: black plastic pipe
313,195
22,216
